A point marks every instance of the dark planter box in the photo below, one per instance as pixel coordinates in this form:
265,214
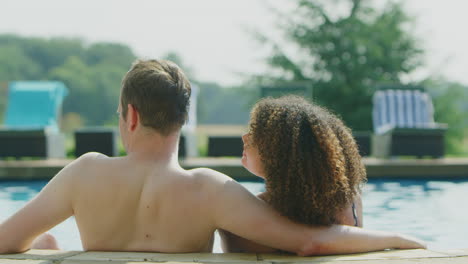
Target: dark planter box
102,140
31,143
225,146
182,147
409,142
363,140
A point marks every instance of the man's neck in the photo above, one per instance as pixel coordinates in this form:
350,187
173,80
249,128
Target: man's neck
153,147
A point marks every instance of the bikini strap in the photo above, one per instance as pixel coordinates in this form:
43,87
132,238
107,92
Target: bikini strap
355,215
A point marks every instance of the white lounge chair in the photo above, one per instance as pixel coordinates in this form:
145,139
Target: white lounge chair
403,118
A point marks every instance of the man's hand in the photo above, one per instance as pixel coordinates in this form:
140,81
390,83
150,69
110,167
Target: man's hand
409,242
339,239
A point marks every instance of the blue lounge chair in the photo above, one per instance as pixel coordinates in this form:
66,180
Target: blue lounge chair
403,118
31,123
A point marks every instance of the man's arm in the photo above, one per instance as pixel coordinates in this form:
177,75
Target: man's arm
346,216
50,207
241,213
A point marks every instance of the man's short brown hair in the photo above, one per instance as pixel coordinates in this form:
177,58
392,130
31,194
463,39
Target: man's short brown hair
160,92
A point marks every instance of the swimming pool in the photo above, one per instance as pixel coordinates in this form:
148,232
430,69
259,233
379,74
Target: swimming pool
430,210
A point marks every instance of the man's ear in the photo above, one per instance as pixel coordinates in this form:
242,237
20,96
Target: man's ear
132,117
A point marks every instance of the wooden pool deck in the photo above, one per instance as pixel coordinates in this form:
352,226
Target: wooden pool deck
382,257
446,168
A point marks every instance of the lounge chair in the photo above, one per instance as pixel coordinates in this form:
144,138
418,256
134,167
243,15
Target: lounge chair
403,118
31,120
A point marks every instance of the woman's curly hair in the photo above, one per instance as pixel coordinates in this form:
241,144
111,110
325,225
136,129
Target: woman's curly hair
311,161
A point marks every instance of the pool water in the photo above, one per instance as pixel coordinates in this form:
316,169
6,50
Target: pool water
431,210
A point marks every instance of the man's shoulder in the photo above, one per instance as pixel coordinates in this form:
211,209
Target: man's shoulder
92,156
95,158
90,163
208,178
209,175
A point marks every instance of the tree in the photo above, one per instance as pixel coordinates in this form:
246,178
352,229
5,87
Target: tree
109,53
223,105
94,90
92,73
14,65
450,105
47,53
345,57
216,104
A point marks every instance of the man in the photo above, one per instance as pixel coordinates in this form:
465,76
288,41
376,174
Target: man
146,202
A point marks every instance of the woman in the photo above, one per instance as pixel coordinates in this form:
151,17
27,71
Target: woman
310,162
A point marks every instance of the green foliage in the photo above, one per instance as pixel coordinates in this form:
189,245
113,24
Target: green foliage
91,73
217,104
106,53
221,105
3,95
15,64
450,105
98,85
346,57
47,53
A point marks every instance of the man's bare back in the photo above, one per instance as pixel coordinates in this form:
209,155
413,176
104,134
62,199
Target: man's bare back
127,204
142,206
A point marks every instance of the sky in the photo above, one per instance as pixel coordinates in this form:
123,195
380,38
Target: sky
212,36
